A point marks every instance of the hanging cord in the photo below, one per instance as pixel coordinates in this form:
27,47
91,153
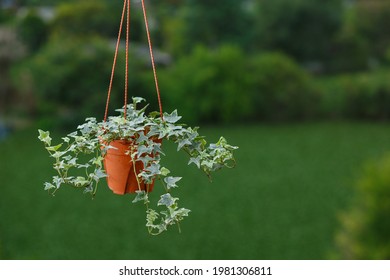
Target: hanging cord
127,58
125,3
152,59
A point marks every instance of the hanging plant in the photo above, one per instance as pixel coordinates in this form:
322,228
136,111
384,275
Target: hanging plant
139,153
127,150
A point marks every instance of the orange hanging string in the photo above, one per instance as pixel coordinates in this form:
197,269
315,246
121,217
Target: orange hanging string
127,4
115,59
127,57
152,59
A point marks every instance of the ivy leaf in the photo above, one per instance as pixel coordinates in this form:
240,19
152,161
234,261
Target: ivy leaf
196,161
142,150
80,181
172,118
58,154
162,132
137,100
151,216
146,160
88,189
154,114
44,136
97,175
165,171
86,165
181,213
54,148
73,134
97,160
182,143
107,147
49,186
71,161
171,181
141,138
57,181
167,200
157,149
153,169
141,196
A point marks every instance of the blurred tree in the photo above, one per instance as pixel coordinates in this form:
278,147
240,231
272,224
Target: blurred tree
281,89
70,77
11,50
366,225
227,85
5,15
370,20
209,85
168,24
40,2
303,29
213,23
33,31
367,95
89,17
350,50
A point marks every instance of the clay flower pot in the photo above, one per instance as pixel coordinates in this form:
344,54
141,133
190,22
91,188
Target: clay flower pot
121,174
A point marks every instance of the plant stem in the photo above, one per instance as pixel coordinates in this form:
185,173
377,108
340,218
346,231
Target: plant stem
178,226
163,183
135,170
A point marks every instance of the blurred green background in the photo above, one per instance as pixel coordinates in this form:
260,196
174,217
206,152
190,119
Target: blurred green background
302,87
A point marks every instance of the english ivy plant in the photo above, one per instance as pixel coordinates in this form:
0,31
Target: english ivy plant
85,149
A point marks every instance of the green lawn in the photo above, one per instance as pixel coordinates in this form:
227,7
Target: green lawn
280,202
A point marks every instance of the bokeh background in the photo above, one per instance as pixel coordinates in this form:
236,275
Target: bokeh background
302,86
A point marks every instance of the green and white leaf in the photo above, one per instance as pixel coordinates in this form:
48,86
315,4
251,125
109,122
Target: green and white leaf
141,196
167,200
172,118
171,181
44,136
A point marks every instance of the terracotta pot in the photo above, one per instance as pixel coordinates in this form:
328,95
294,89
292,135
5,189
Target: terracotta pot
121,178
